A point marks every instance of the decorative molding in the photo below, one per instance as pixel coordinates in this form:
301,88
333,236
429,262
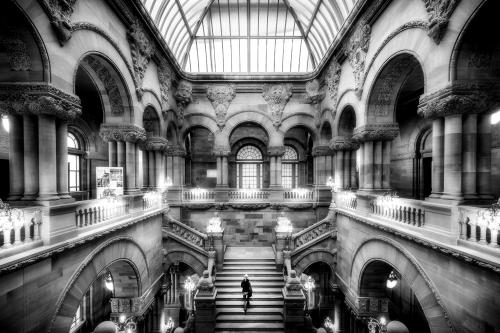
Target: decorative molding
109,83
221,97
59,13
155,143
314,95
141,49
165,76
277,96
356,50
332,79
174,150
439,12
376,132
322,151
41,98
122,132
341,143
276,151
458,98
183,96
249,206
222,151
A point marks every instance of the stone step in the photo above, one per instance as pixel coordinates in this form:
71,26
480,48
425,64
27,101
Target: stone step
241,273
237,290
231,331
255,304
257,310
250,261
245,327
242,317
255,297
249,268
255,284
256,278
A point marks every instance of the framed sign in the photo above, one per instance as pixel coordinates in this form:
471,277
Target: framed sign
109,181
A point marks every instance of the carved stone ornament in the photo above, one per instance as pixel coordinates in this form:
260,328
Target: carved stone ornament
205,284
356,50
19,99
276,151
142,50
314,95
120,132
221,151
322,151
457,99
376,132
343,143
221,97
109,82
175,151
16,49
165,76
293,287
439,12
277,96
59,13
156,143
332,78
183,96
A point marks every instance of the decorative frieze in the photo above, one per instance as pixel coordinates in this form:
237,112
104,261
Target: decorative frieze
165,76
121,132
376,132
141,49
277,96
59,13
183,96
343,143
332,78
156,143
322,151
38,99
221,97
439,12
175,151
356,50
457,99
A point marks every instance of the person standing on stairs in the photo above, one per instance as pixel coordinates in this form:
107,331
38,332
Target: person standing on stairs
246,289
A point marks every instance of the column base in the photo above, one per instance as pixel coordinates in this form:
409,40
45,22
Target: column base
14,197
29,197
65,195
47,197
130,191
450,198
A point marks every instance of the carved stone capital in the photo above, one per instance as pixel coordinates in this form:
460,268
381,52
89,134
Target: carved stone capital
120,132
356,50
141,49
221,151
277,96
343,143
175,151
456,99
221,97
376,132
38,99
322,151
155,143
439,12
276,151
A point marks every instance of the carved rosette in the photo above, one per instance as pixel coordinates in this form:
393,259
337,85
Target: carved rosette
322,151
376,132
165,76
156,143
38,99
183,96
141,49
221,97
439,12
59,13
277,96
457,99
356,51
332,78
343,143
119,132
276,151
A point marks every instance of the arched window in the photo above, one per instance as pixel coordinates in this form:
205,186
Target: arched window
290,168
249,167
75,152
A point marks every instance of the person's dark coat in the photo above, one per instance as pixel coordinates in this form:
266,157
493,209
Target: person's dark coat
246,287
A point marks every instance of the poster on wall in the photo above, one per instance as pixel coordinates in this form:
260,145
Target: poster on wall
109,181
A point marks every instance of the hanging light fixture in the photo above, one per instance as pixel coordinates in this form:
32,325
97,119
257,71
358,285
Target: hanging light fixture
108,282
392,280
5,123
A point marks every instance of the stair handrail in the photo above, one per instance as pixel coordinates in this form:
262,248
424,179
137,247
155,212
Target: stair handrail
315,231
188,234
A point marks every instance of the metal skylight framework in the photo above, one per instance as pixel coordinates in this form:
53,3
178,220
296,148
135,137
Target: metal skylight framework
249,36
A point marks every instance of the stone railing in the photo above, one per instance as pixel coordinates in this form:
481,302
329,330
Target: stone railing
479,225
397,209
186,233
347,199
313,232
92,212
248,195
19,226
198,195
298,195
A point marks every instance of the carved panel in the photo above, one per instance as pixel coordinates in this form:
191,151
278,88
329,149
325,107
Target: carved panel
277,96
332,78
221,97
376,132
118,132
59,13
142,50
356,50
187,234
439,12
16,49
183,96
165,76
312,234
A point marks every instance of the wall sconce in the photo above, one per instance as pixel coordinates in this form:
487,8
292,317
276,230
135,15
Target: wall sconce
126,324
379,326
108,282
392,280
214,224
330,183
328,325
6,123
189,286
169,325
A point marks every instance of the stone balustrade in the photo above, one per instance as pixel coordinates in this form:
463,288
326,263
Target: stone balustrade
198,195
186,233
19,226
248,195
301,194
396,209
313,232
92,212
347,199
480,225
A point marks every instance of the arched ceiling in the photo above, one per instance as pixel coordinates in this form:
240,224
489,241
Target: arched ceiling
249,36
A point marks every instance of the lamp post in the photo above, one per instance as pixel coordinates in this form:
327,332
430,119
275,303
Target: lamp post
189,286
328,325
377,326
309,286
126,324
284,226
169,325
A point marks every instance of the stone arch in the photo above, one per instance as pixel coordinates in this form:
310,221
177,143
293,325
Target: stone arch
151,121
197,262
198,120
385,89
259,118
114,93
312,256
346,122
300,119
102,257
386,250
325,133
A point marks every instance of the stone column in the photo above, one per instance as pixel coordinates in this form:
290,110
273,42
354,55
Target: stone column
151,169
47,166
386,165
174,157
130,168
112,154
16,160
275,154
484,157
361,180
469,158
453,157
159,168
139,167
368,165
30,157
321,173
339,169
377,165
354,171
121,157
437,157
222,165
346,157
62,159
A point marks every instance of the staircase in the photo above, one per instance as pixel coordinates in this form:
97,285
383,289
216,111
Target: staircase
265,313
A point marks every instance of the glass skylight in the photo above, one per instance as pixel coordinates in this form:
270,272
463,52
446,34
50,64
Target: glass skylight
249,36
